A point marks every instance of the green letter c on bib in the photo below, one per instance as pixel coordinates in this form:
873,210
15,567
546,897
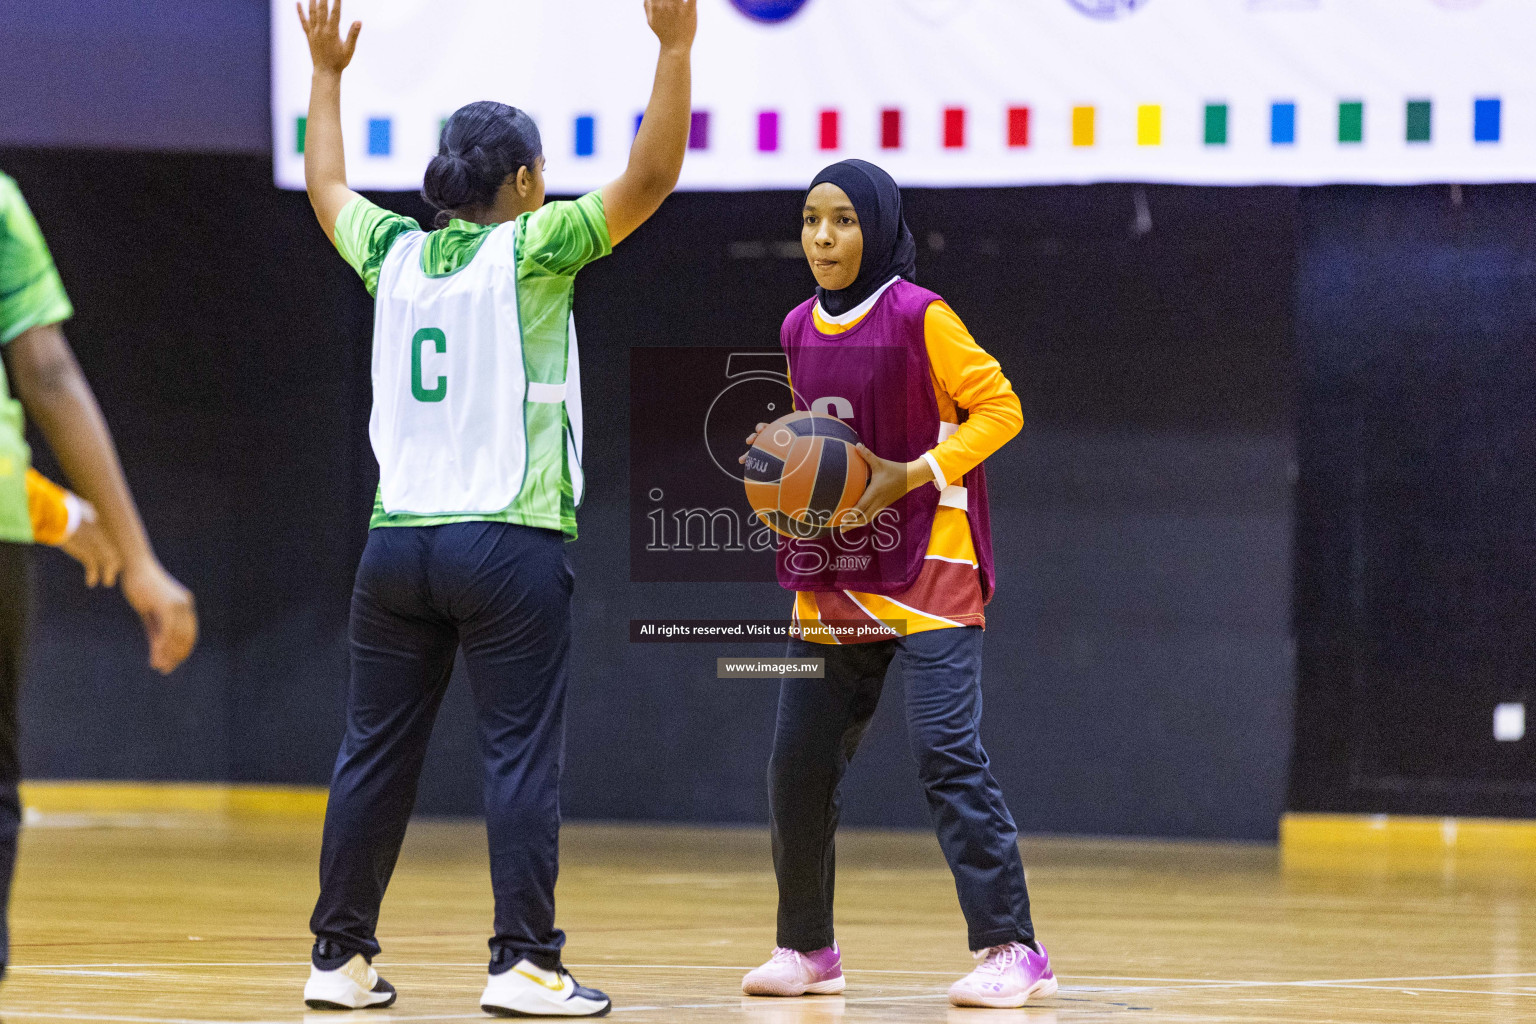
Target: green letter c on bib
440,343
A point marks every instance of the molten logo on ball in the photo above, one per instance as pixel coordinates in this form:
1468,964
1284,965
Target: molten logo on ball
769,11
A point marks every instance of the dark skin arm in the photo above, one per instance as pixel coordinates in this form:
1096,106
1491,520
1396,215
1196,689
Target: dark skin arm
325,162
56,397
656,158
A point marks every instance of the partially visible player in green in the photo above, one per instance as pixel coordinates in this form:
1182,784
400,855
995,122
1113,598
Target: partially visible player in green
50,388
477,429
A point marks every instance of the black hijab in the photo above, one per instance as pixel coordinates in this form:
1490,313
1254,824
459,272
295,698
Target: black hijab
889,249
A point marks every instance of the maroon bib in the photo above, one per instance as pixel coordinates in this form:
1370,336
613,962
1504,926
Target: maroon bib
876,378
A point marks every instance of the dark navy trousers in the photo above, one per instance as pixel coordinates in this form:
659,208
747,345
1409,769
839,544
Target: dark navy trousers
502,593
820,723
15,608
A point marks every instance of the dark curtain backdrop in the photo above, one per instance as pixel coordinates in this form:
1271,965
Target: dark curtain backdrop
1416,505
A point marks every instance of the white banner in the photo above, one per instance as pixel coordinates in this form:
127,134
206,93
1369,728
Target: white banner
954,92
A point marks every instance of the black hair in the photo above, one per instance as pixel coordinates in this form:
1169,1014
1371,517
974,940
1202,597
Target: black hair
481,144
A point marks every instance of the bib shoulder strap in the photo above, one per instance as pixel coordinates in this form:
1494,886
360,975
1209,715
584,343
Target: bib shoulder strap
501,245
403,257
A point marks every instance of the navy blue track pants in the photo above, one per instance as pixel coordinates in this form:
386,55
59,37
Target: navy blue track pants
15,610
502,593
820,723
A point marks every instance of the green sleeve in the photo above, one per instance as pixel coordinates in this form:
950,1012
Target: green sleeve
31,294
561,238
364,233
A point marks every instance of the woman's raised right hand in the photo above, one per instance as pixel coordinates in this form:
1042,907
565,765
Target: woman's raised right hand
673,21
322,28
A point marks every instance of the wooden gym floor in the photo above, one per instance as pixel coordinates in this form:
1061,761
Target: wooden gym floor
167,920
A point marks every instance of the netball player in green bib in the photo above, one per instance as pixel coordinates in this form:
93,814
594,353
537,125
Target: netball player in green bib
476,425
39,368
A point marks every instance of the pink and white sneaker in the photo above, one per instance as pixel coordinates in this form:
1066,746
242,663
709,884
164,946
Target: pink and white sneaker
1007,976
788,973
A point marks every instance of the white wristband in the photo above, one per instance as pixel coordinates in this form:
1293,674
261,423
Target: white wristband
75,512
938,474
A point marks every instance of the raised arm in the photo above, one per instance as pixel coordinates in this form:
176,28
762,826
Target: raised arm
325,161
656,158
56,396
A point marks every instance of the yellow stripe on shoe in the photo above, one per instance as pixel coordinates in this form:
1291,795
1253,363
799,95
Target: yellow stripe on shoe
528,990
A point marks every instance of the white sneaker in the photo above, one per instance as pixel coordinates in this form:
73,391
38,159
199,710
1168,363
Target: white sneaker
528,990
352,986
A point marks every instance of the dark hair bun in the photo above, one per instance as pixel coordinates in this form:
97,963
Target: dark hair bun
448,183
481,144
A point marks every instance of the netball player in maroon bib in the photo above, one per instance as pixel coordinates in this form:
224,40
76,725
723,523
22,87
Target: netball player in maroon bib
906,583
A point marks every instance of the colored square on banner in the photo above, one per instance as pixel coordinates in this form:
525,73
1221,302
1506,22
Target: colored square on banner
954,128
1488,120
1082,126
829,129
300,129
698,130
379,132
1282,124
1420,121
768,131
890,129
1215,124
639,120
1018,127
586,135
1149,125
1351,121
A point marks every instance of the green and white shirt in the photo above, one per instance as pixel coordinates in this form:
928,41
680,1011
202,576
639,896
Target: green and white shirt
31,295
476,381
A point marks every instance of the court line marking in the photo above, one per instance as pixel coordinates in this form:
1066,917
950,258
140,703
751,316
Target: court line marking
1205,982
1168,985
820,1001
1345,983
1162,982
92,974
1224,982
1415,989
1404,985
124,1019
15,1012
12,1011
